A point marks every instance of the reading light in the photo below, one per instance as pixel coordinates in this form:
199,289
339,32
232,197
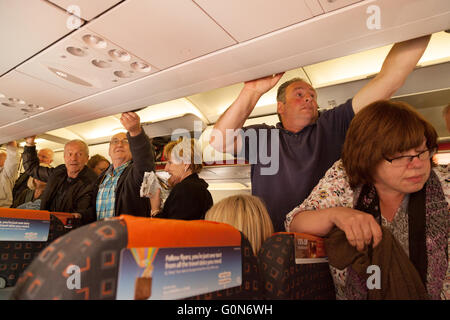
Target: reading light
16,101
101,64
94,41
119,55
141,67
122,74
76,51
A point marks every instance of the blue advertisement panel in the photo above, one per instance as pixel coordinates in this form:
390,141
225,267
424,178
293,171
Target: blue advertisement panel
176,273
15,229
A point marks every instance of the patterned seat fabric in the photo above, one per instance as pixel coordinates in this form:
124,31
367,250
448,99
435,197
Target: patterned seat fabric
284,279
96,249
16,256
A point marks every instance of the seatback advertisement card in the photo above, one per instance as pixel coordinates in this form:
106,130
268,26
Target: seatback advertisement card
14,229
309,249
176,273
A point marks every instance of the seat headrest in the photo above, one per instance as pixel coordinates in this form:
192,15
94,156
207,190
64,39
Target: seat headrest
154,232
24,214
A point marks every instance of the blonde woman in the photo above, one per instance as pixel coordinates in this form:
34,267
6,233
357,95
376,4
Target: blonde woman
189,198
246,213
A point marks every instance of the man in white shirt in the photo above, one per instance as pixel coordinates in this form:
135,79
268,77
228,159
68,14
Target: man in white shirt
9,164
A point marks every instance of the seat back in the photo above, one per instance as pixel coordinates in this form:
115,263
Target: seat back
15,255
283,278
96,249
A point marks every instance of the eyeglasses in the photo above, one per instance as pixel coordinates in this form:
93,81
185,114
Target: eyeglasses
117,141
403,161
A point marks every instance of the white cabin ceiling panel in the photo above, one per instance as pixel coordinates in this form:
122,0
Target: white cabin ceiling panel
164,33
26,27
249,19
86,63
315,7
331,5
22,96
89,9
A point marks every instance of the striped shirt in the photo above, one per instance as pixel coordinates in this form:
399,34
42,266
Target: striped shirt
106,196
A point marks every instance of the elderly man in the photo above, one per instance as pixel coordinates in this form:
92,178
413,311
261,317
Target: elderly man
117,190
45,157
69,185
9,163
302,145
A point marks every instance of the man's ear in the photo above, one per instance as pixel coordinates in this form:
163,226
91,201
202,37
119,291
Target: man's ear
280,107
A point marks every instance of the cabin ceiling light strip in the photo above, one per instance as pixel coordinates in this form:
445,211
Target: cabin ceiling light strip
227,186
367,63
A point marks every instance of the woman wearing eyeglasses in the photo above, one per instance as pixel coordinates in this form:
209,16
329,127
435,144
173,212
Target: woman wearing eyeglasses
384,194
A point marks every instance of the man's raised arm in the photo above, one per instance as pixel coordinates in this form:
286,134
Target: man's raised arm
399,63
236,115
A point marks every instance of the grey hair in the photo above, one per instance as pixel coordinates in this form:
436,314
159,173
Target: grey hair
81,142
50,151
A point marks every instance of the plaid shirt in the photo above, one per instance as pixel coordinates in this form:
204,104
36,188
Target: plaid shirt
106,196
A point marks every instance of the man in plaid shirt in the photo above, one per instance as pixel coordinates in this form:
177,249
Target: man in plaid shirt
117,189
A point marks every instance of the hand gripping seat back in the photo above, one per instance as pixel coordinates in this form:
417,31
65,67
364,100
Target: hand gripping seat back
96,249
283,279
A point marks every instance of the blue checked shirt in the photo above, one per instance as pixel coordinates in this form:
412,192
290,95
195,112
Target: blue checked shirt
106,196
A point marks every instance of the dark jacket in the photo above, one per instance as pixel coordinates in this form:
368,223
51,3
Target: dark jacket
19,187
128,199
77,198
25,196
188,200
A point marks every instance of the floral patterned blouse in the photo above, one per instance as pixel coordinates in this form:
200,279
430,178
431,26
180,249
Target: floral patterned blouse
333,190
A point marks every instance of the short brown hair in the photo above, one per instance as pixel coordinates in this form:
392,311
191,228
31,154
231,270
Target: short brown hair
194,150
246,213
281,92
380,130
95,159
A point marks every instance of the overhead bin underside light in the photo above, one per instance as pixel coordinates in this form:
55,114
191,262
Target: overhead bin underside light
70,77
175,126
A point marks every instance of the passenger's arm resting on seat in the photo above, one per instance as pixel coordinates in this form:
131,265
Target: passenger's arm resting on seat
399,63
236,115
330,204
